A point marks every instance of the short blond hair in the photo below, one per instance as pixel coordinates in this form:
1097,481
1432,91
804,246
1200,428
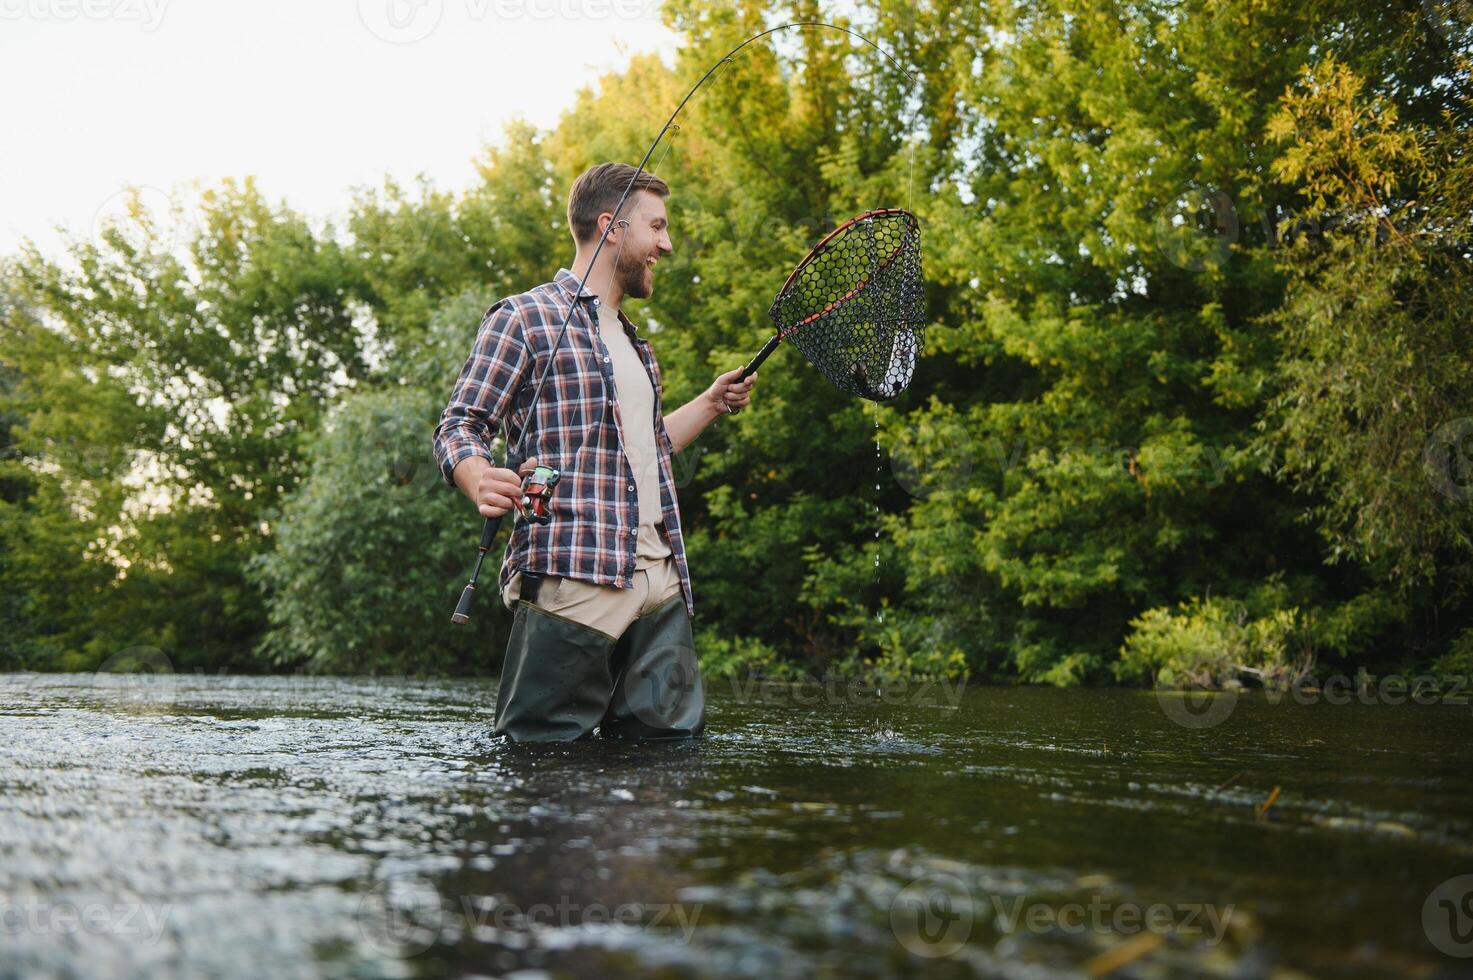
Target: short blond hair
597,191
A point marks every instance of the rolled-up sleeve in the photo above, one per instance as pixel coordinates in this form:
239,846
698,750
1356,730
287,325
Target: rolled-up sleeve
498,366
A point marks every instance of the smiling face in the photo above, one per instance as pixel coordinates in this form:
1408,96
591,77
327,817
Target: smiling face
642,243
639,239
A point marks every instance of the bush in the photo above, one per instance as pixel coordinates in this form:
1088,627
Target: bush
372,551
733,656
1206,642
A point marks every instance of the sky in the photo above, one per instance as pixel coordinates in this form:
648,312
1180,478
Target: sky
312,97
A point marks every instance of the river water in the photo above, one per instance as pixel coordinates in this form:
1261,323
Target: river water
251,827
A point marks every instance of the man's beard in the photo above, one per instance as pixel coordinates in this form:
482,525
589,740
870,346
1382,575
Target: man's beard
630,273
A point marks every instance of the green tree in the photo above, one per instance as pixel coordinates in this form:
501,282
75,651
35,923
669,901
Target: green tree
1116,232
1372,413
372,549
167,393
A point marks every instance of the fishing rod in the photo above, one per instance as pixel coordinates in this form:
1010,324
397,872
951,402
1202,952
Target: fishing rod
514,457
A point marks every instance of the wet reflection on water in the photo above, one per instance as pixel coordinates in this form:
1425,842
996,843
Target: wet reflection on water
291,827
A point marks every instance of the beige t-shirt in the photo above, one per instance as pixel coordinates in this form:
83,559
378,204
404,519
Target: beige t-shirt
636,398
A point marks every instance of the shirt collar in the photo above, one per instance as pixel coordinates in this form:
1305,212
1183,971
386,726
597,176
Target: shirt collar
568,282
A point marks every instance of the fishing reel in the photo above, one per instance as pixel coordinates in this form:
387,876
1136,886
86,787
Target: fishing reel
537,489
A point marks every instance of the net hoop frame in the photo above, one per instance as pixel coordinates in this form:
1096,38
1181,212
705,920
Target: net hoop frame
913,225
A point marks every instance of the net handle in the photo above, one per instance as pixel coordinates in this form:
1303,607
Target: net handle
755,363
762,355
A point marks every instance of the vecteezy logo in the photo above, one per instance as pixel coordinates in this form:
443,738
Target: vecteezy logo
402,915
1449,18
1447,456
1447,916
932,916
666,688
144,215
1198,229
401,468
1196,706
401,21
140,677
921,476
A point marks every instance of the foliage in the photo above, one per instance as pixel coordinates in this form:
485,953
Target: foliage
167,394
1375,382
372,550
1209,641
1195,396
1458,661
724,656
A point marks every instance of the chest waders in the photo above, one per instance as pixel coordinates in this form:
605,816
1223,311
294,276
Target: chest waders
561,679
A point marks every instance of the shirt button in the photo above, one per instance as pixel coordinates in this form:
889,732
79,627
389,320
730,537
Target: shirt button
634,530
631,486
606,360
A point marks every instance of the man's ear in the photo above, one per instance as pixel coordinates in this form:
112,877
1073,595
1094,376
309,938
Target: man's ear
621,223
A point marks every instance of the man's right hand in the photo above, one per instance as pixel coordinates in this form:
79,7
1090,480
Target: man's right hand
499,490
494,490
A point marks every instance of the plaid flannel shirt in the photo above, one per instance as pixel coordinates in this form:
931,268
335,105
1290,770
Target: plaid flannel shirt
595,511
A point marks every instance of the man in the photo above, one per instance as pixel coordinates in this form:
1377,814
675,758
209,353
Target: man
601,637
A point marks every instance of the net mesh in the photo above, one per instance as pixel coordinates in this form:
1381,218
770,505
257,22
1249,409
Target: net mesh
855,306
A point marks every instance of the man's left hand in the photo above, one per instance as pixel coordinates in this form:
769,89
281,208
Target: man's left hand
729,395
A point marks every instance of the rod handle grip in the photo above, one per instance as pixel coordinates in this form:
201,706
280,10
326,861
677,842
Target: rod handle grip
488,532
462,612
